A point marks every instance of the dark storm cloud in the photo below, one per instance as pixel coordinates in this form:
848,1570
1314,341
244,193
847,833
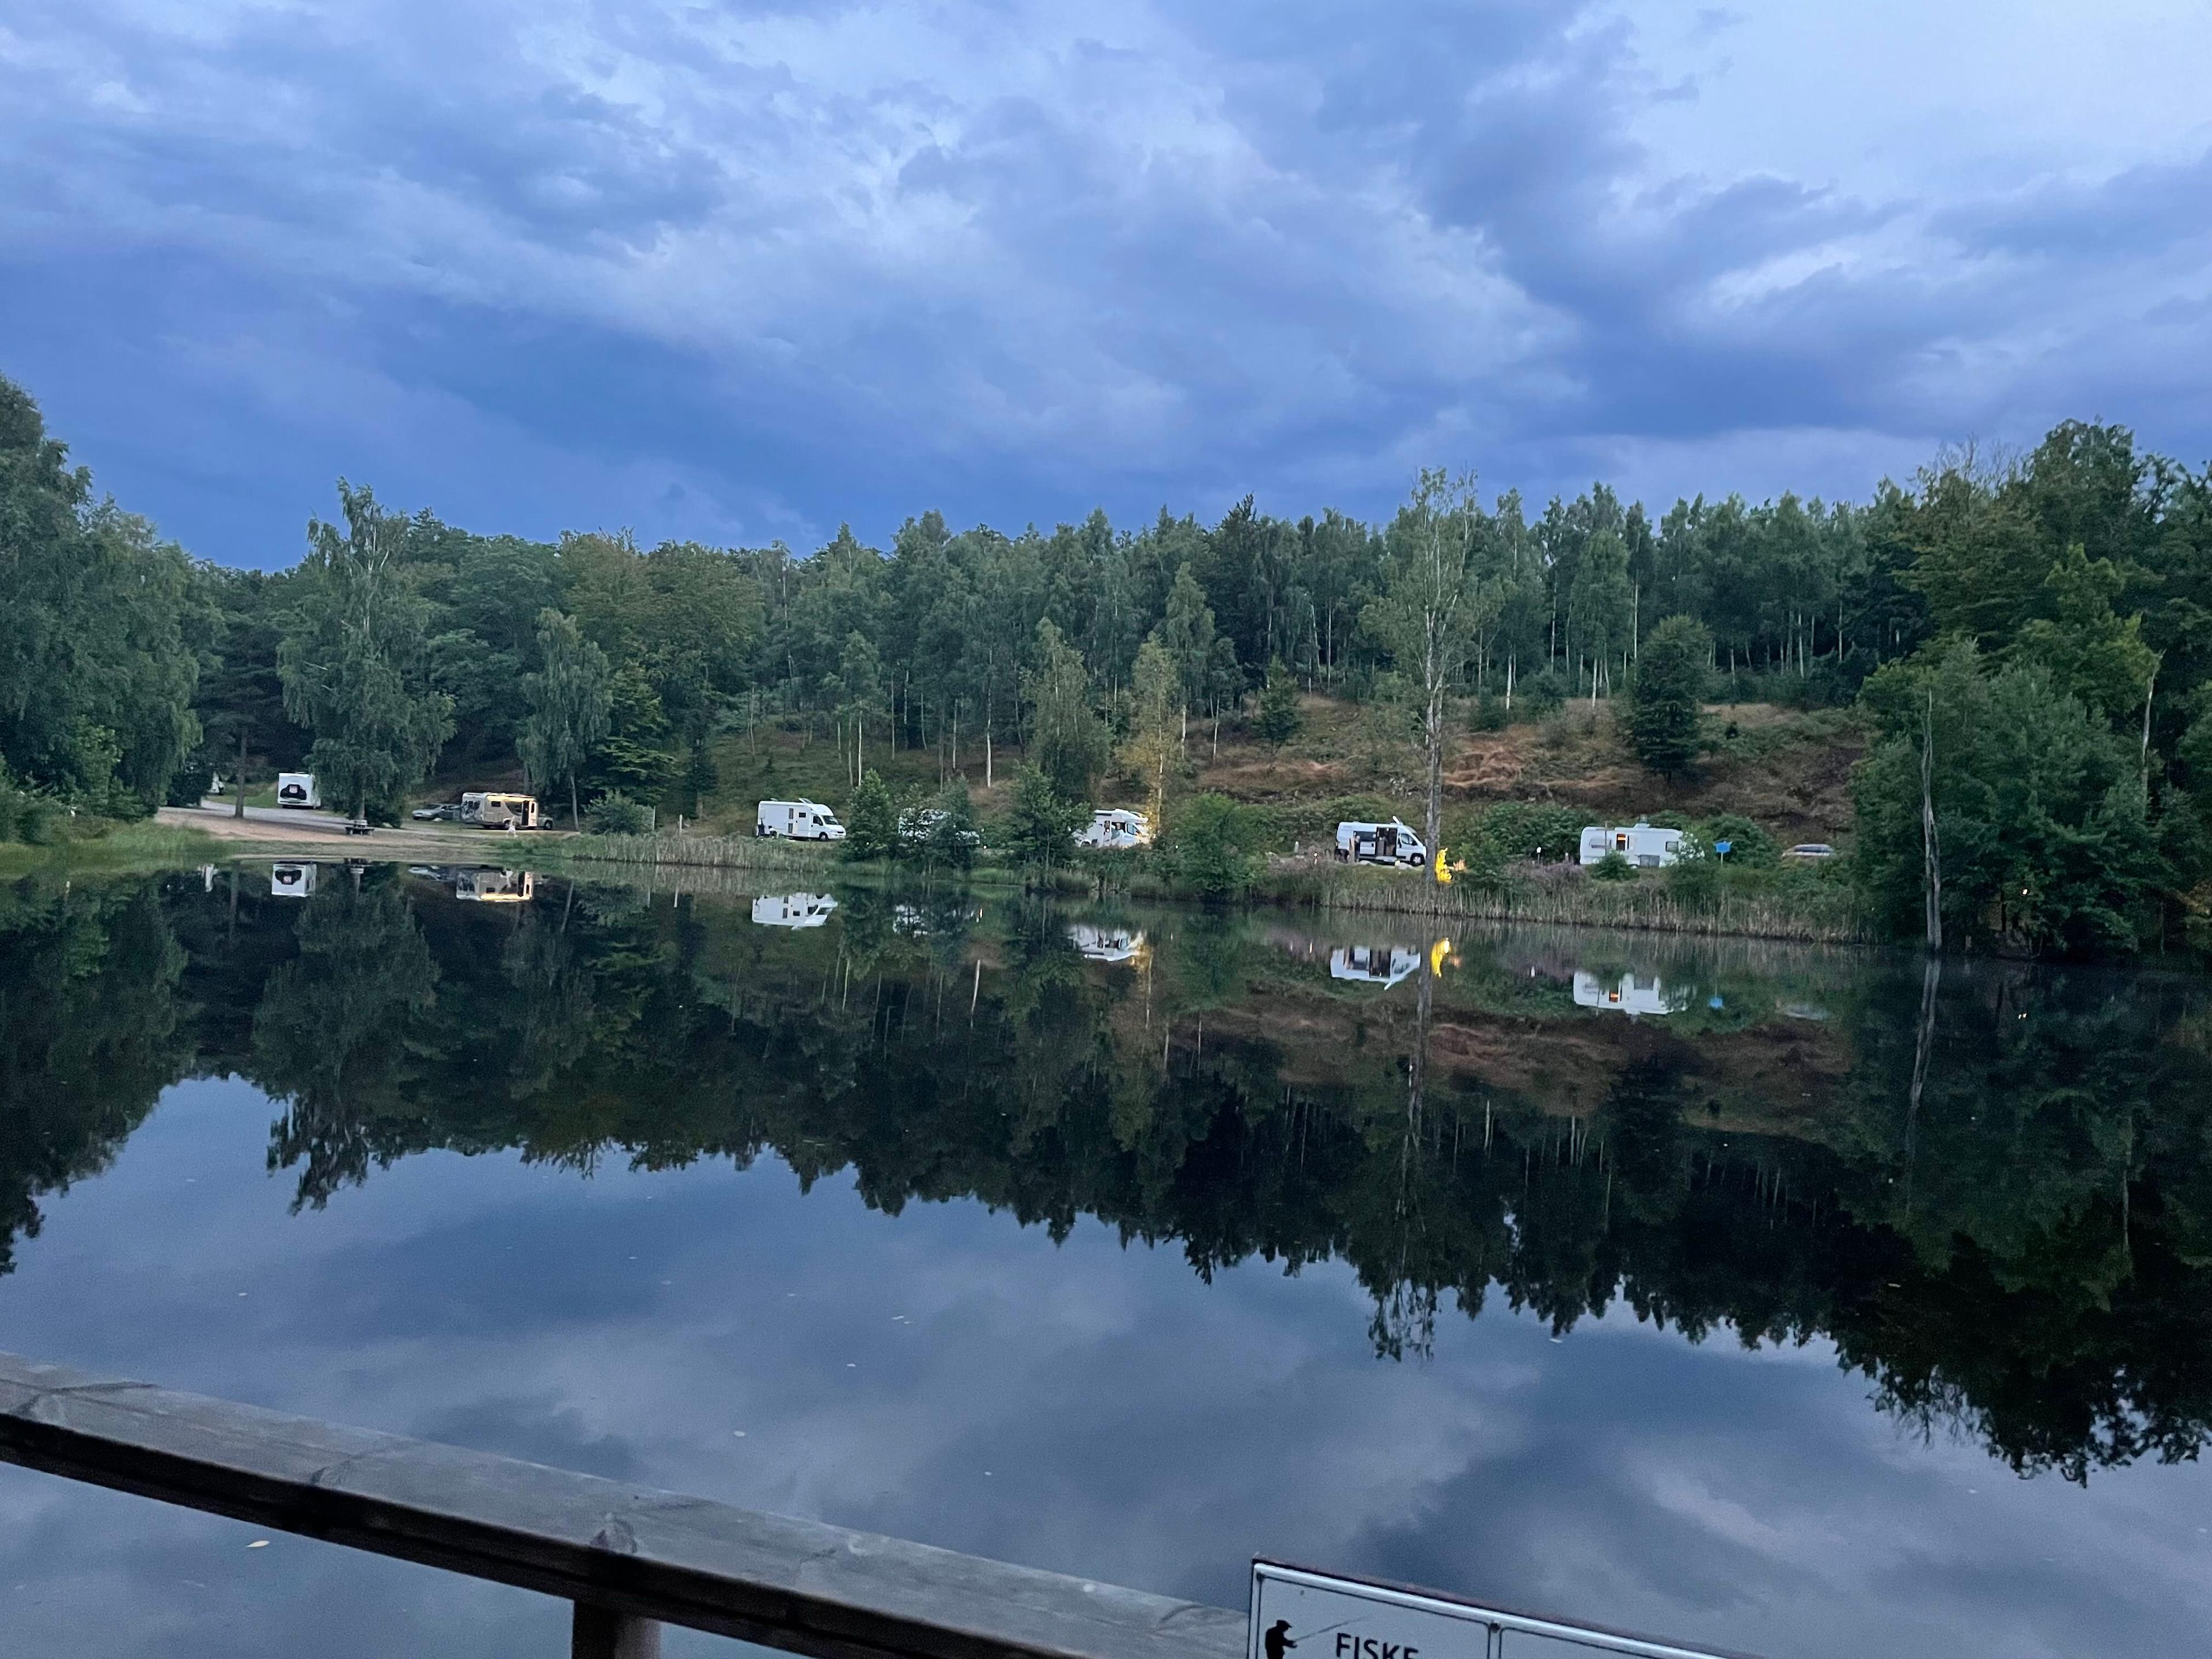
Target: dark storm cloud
746,270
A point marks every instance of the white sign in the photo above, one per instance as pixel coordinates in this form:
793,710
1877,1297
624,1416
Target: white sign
1301,1614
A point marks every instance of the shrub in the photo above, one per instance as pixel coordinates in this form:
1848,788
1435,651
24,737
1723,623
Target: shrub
616,814
1613,868
1528,829
1540,694
1213,846
1749,845
1695,884
951,837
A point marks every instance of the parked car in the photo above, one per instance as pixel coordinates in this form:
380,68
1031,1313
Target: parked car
445,812
1811,849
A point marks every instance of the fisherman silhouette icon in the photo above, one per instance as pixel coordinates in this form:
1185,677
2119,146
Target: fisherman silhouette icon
1278,1641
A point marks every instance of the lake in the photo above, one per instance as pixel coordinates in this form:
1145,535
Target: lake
1784,1299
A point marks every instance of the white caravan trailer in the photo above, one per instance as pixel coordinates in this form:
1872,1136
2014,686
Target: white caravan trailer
1115,828
1379,843
297,789
1642,845
1633,994
291,881
792,909
1377,964
797,820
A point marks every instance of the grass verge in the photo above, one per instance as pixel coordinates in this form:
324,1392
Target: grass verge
124,846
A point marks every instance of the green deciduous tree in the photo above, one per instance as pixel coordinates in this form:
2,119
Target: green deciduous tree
355,664
1155,716
2042,829
568,702
1070,743
96,677
1666,689
2091,651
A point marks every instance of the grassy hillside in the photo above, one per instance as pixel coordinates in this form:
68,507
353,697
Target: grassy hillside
1788,769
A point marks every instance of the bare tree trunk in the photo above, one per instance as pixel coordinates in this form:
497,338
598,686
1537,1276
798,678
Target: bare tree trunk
238,783
2149,691
1931,854
575,822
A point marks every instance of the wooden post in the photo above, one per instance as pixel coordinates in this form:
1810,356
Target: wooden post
603,1633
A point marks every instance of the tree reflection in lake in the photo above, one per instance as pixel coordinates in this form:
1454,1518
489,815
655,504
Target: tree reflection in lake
1992,1192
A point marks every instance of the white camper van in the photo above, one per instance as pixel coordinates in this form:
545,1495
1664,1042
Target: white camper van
1379,843
1377,964
297,789
792,909
491,810
291,881
1642,846
1114,828
797,820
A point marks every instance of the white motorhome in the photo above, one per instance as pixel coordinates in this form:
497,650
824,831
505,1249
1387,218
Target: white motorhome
495,886
1377,964
1114,828
1379,843
797,820
491,810
291,881
1633,994
297,789
1645,847
792,909
1098,942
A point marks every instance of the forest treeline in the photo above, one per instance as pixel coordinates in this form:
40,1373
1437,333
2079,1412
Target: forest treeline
2038,632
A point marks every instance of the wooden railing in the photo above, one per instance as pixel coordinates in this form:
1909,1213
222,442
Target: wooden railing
630,1558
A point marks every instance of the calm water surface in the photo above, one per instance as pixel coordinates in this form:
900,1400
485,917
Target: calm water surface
1785,1300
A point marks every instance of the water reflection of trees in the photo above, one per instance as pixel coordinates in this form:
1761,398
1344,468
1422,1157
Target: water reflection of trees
2018,1247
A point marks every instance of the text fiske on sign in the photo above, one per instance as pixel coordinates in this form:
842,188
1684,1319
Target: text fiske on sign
1297,1612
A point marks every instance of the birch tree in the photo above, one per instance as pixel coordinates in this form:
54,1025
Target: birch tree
1424,617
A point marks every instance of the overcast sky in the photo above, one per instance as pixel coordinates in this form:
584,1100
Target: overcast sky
741,272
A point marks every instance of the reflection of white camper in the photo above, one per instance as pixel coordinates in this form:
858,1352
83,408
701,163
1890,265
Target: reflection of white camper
1379,843
489,810
1642,845
297,789
1633,994
792,909
495,886
291,880
1377,964
1099,942
1114,828
797,820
